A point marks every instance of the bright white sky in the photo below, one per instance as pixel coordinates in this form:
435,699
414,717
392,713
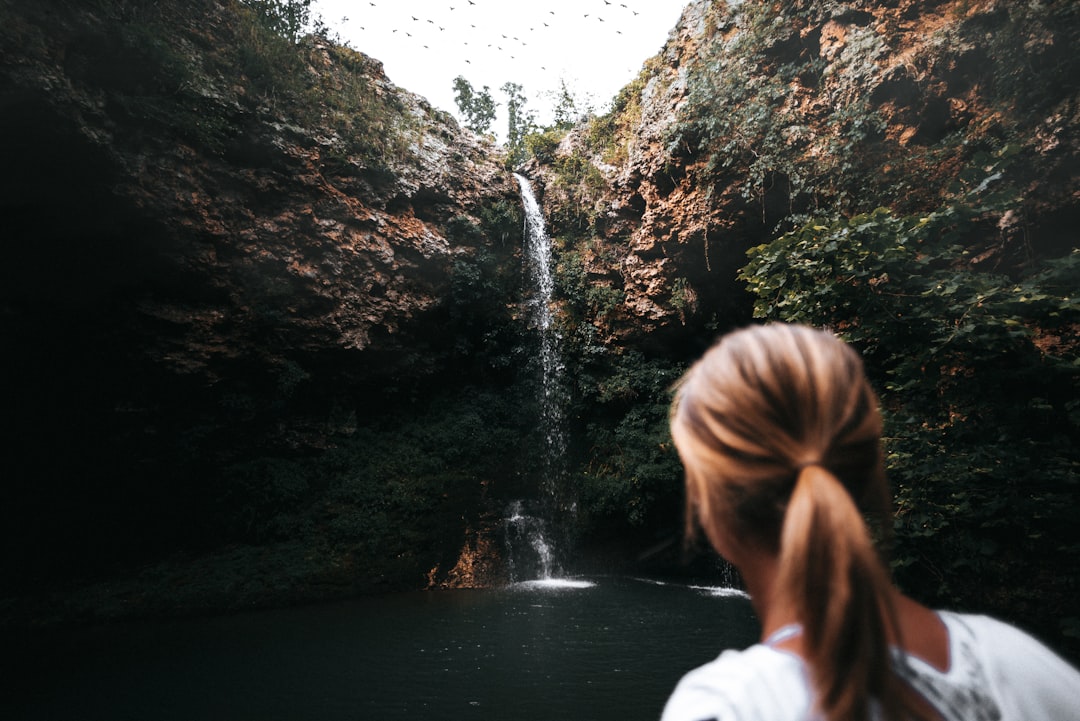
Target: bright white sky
596,46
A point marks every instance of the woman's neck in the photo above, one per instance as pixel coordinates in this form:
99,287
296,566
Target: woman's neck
760,573
921,632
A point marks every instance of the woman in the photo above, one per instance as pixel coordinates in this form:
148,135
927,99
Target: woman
780,434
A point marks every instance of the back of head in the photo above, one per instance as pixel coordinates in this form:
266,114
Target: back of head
779,431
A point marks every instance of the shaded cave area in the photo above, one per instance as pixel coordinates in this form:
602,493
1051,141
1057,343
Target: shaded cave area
95,477
139,432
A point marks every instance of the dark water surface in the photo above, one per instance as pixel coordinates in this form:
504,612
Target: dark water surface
612,650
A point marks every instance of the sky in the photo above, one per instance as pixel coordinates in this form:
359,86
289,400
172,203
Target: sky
594,46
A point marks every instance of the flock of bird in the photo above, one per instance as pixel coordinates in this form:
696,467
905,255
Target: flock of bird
414,28
587,48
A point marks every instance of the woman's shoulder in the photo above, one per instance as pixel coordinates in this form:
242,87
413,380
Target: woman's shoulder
992,639
1029,680
757,683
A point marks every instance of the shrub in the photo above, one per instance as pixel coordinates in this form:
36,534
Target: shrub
542,145
977,373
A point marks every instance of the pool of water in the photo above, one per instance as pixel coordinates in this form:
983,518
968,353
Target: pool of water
583,649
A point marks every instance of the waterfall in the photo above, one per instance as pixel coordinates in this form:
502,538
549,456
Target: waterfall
539,267
530,552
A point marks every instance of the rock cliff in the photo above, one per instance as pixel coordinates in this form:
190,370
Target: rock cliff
755,116
220,244
262,307
831,139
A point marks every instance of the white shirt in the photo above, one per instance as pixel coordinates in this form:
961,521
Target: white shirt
996,673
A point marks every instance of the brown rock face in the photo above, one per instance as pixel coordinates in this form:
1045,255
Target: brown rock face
202,260
756,116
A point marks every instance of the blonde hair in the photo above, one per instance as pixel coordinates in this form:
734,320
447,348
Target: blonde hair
779,431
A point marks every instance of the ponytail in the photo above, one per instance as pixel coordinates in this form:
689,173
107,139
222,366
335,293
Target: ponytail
830,572
747,419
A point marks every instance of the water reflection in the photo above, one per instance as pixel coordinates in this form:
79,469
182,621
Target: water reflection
591,649
541,584
722,591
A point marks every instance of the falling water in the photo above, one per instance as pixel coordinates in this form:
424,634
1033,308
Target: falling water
530,552
538,259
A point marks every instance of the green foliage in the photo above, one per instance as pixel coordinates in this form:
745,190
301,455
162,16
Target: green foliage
608,135
682,297
271,62
582,182
576,174
571,280
174,83
627,472
568,109
262,497
375,128
477,107
484,331
1022,51
410,483
519,123
631,475
543,144
585,300
602,299
397,492
737,112
287,18
502,222
978,377
774,118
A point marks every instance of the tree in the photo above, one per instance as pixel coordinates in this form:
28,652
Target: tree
519,122
567,110
477,107
287,18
